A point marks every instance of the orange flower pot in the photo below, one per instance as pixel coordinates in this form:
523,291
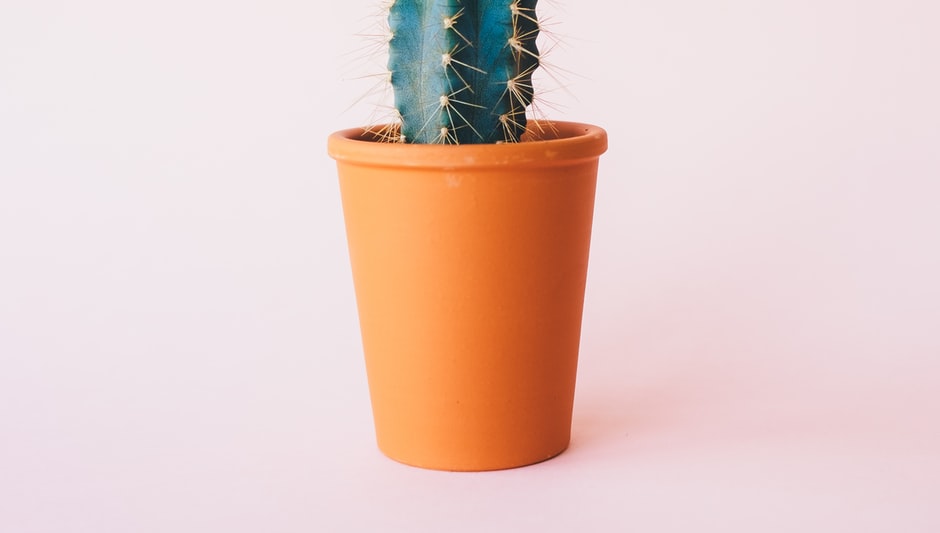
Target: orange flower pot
469,264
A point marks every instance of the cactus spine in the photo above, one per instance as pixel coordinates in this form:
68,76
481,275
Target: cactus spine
461,70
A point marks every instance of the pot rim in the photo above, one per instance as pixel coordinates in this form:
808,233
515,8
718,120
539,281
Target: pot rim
547,142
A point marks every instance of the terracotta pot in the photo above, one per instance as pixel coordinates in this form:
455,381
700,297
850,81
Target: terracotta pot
469,265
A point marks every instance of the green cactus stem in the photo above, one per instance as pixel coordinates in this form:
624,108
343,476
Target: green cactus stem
461,70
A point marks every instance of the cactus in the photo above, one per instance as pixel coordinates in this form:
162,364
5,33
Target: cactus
461,70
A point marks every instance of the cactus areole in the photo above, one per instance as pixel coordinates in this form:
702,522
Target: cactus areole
461,70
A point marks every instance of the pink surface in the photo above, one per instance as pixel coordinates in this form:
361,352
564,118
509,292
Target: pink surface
178,339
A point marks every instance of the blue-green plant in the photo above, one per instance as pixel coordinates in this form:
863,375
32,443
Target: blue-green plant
461,70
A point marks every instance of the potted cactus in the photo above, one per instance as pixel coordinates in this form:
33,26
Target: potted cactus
468,228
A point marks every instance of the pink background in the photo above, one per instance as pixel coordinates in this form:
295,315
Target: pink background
178,340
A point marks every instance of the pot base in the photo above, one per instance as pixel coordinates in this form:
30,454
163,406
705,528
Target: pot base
449,466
